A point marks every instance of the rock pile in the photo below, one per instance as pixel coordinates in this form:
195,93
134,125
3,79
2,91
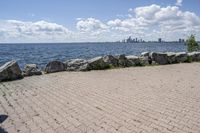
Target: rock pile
11,70
31,69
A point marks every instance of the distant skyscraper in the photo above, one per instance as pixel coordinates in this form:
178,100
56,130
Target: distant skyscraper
181,40
159,40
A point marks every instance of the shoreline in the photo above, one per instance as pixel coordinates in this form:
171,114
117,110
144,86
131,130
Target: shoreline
12,71
94,42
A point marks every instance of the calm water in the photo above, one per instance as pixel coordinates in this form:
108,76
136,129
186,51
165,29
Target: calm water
41,54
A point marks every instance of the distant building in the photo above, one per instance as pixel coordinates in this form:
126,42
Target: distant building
131,40
181,40
159,40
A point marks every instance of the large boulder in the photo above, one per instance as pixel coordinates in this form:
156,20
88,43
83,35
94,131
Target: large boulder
97,63
144,54
111,60
122,60
181,57
31,69
76,65
144,61
171,57
10,71
54,66
159,58
193,56
133,60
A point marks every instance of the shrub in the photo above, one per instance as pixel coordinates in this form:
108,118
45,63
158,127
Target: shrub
192,45
189,59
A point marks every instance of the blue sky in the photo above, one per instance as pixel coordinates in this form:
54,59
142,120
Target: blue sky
94,20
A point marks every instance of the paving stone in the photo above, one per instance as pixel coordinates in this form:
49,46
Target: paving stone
147,99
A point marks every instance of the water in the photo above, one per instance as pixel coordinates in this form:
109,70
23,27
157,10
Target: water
41,54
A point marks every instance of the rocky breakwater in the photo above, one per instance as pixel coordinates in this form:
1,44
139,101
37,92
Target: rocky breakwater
31,69
54,66
169,57
11,70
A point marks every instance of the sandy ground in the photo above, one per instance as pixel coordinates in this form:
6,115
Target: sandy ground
138,99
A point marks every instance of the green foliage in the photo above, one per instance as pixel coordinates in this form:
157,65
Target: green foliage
189,59
192,45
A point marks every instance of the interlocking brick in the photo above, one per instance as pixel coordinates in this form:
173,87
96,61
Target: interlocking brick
148,99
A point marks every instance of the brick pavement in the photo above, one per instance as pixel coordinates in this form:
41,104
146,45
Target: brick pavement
144,99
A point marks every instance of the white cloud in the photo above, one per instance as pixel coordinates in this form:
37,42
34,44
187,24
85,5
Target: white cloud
91,25
92,29
147,12
148,22
179,2
169,21
130,24
32,31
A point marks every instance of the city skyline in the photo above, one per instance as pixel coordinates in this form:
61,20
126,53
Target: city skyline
97,21
131,39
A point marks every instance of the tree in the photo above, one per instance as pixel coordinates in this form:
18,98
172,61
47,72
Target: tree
191,43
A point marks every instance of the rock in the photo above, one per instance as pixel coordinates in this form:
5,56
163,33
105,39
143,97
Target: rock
193,56
31,69
54,66
171,57
145,54
159,58
76,65
97,63
111,60
181,57
133,60
10,71
122,60
144,61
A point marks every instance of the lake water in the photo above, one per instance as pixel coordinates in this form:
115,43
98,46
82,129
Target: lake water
41,54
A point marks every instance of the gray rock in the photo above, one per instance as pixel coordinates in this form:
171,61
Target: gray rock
145,53
144,61
97,63
111,60
31,69
171,57
159,58
54,66
10,71
133,60
76,65
193,56
181,57
122,60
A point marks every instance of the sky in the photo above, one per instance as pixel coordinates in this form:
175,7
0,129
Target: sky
97,20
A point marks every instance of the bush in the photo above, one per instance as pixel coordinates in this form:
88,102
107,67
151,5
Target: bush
192,45
189,59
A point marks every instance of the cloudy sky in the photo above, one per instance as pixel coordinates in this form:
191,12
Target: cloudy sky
97,20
